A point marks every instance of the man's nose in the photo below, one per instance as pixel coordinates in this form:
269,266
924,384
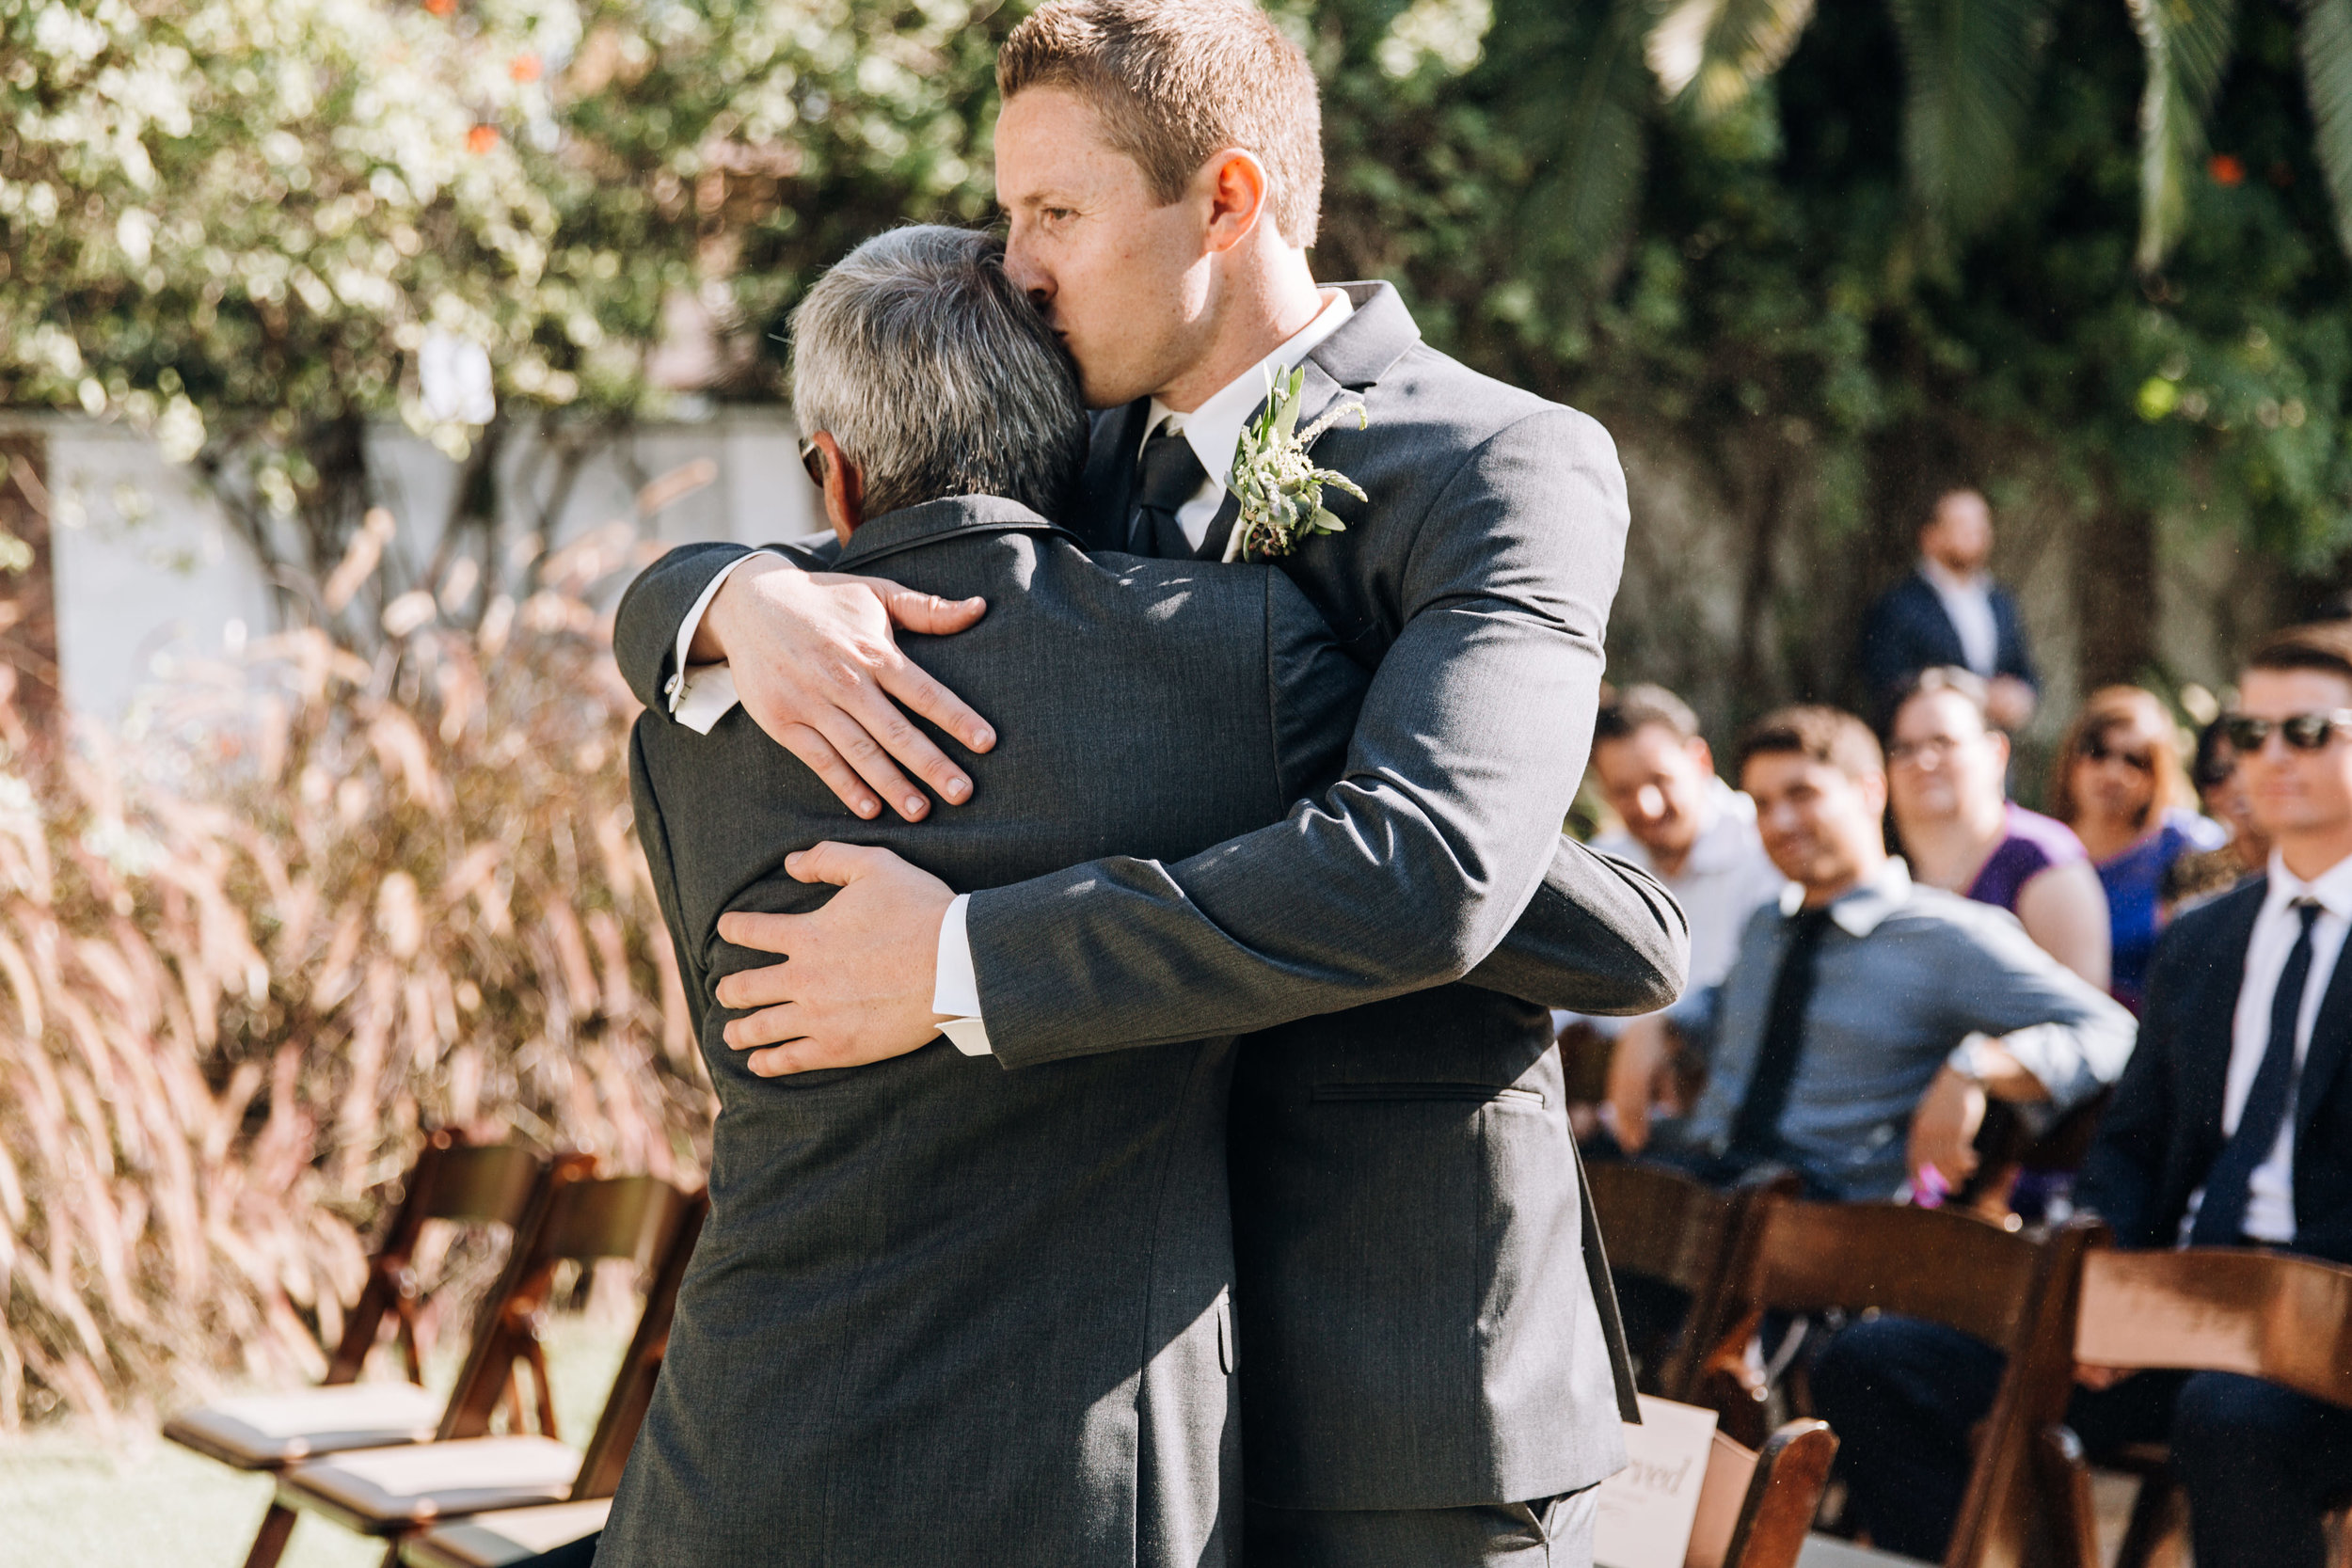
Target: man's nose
1023,268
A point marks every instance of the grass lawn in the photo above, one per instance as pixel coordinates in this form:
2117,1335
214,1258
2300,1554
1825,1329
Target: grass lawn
67,1495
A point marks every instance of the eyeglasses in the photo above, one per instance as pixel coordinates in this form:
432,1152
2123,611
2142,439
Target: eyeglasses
1903,753
2305,732
2097,750
813,462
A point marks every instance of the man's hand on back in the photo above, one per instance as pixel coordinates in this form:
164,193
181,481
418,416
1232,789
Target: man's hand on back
858,982
815,666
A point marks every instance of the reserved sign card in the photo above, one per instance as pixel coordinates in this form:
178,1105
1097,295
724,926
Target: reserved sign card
1647,1508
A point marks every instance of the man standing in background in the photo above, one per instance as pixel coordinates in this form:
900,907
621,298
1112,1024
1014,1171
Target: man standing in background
1951,611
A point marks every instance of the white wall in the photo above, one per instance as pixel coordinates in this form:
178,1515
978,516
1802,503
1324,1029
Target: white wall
145,564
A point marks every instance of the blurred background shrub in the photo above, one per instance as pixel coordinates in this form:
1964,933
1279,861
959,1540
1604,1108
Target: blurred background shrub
324,902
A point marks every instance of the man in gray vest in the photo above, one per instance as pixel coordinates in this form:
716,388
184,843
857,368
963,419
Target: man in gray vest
1429,1380
945,1314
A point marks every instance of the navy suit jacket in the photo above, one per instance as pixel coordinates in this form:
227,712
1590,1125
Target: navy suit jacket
2162,1134
1907,630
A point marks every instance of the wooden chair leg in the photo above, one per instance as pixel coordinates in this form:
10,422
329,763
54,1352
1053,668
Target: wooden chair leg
269,1541
2066,1492
2157,1534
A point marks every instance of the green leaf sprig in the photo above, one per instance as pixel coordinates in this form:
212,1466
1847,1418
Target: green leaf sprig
1278,487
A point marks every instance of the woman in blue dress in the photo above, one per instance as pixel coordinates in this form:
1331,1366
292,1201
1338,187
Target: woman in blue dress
2120,784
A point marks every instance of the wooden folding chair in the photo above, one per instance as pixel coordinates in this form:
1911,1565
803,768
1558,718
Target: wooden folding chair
392,1493
453,1180
2219,1309
1994,1284
1756,1505
1662,1225
492,1540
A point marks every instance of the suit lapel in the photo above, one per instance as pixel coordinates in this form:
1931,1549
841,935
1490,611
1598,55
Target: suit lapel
1105,490
2332,1042
2208,1033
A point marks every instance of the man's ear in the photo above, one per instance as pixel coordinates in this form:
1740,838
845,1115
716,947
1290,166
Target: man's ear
1239,188
845,487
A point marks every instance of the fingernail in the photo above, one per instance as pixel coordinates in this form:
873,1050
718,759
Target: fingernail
793,860
914,805
983,739
956,790
866,808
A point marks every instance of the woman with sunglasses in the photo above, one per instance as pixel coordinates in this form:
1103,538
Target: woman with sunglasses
2120,784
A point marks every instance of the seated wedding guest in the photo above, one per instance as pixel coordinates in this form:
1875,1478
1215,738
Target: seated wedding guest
1682,824
1867,1019
1960,832
2201,874
1949,612
2233,1126
2119,783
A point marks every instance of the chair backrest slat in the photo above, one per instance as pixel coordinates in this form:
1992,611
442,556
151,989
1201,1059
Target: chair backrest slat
1661,1224
452,1179
2286,1320
1943,1266
484,1184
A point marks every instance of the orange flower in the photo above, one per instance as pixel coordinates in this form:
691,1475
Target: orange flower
482,138
440,8
2226,169
524,67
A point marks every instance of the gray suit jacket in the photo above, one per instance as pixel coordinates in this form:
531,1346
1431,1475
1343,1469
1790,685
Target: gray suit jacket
942,1313
1414,1290
1407,1206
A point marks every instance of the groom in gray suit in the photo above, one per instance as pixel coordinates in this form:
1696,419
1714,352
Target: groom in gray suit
1429,1380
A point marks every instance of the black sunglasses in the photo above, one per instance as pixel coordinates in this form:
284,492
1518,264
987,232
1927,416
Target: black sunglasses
2097,750
813,462
2305,732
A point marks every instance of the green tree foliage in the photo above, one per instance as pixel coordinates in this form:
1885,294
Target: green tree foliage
1830,251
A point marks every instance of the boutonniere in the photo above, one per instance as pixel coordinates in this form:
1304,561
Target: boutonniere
1278,487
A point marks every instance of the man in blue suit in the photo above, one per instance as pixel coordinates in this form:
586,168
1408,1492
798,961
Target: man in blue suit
1950,611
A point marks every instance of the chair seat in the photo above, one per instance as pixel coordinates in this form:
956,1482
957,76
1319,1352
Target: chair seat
510,1535
383,1490
267,1432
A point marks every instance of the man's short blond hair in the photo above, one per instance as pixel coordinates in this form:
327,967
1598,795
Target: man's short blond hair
1178,81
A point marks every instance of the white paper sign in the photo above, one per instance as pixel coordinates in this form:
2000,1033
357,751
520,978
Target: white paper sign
1647,1508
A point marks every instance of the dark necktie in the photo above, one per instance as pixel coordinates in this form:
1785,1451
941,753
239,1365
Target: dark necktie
2221,1214
1167,475
1756,1131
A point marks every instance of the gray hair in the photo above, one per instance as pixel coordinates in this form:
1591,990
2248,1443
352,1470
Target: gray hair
936,375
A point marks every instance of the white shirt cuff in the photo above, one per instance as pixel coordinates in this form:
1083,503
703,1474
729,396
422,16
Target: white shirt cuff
700,694
955,989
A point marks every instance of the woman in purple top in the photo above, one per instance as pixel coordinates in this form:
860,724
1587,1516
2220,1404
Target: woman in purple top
1945,777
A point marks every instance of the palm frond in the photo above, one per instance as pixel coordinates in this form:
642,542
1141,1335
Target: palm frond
2187,47
1970,68
1709,52
2326,40
1596,169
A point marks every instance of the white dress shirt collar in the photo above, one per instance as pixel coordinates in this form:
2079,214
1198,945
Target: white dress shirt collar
1861,909
1214,429
2332,889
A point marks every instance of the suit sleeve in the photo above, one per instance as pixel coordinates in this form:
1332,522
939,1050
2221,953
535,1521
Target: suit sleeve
654,605
652,840
1600,938
2015,659
1409,870
1883,651
2121,1174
